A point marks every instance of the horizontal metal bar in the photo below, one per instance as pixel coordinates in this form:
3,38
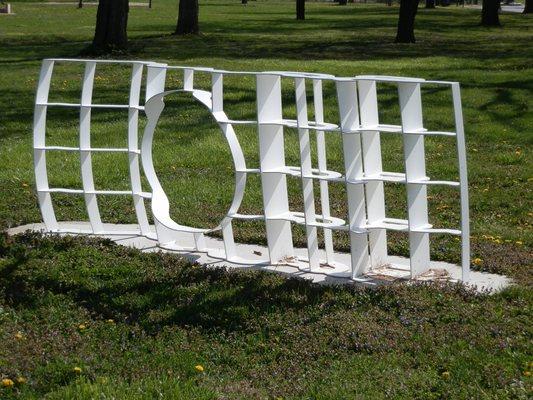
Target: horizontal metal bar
59,148
81,60
61,190
91,149
247,217
102,106
249,170
376,128
425,132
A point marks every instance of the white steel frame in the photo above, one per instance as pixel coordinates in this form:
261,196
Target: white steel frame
363,177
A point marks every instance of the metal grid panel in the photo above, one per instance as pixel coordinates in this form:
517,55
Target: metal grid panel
85,150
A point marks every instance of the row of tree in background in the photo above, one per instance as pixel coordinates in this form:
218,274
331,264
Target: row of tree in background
112,19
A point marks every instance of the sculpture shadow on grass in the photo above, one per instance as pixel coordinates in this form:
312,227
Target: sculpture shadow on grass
151,290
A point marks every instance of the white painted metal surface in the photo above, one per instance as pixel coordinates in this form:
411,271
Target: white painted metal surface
363,176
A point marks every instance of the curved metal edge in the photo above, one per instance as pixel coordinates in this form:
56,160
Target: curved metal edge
160,205
87,178
463,177
39,141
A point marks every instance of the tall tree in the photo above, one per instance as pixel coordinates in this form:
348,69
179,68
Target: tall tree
300,9
489,13
430,3
406,21
528,9
111,24
187,18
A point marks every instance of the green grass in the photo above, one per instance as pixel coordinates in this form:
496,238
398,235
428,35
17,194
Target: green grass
332,343
257,335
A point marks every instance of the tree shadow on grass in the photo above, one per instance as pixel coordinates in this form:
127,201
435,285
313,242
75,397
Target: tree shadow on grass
344,36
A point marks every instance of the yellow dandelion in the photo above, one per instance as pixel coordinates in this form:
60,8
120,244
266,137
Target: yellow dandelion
110,321
81,327
527,373
6,382
477,261
77,370
519,242
19,335
199,368
21,380
446,375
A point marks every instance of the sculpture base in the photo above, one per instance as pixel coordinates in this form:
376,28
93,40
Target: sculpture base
256,257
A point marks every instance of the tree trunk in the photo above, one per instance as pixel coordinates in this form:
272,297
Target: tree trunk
528,9
244,1
489,13
187,18
406,21
343,2
80,4
430,3
300,9
111,24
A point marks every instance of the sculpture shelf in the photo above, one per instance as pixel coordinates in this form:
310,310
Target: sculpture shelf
363,175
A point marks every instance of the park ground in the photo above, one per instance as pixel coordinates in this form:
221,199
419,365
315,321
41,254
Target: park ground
87,319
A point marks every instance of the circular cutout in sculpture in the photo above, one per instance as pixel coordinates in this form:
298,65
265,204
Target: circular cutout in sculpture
165,224
192,162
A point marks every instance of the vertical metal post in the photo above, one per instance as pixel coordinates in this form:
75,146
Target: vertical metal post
306,171
87,179
322,166
463,178
272,157
217,106
353,164
133,148
39,142
415,169
372,165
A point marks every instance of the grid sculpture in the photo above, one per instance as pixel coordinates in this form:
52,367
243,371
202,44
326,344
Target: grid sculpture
363,174
85,150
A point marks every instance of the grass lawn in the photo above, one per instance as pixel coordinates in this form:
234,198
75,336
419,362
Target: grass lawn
258,335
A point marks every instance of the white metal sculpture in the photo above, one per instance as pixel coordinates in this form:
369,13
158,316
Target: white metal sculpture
364,178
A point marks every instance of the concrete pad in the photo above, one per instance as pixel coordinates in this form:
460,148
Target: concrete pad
256,257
